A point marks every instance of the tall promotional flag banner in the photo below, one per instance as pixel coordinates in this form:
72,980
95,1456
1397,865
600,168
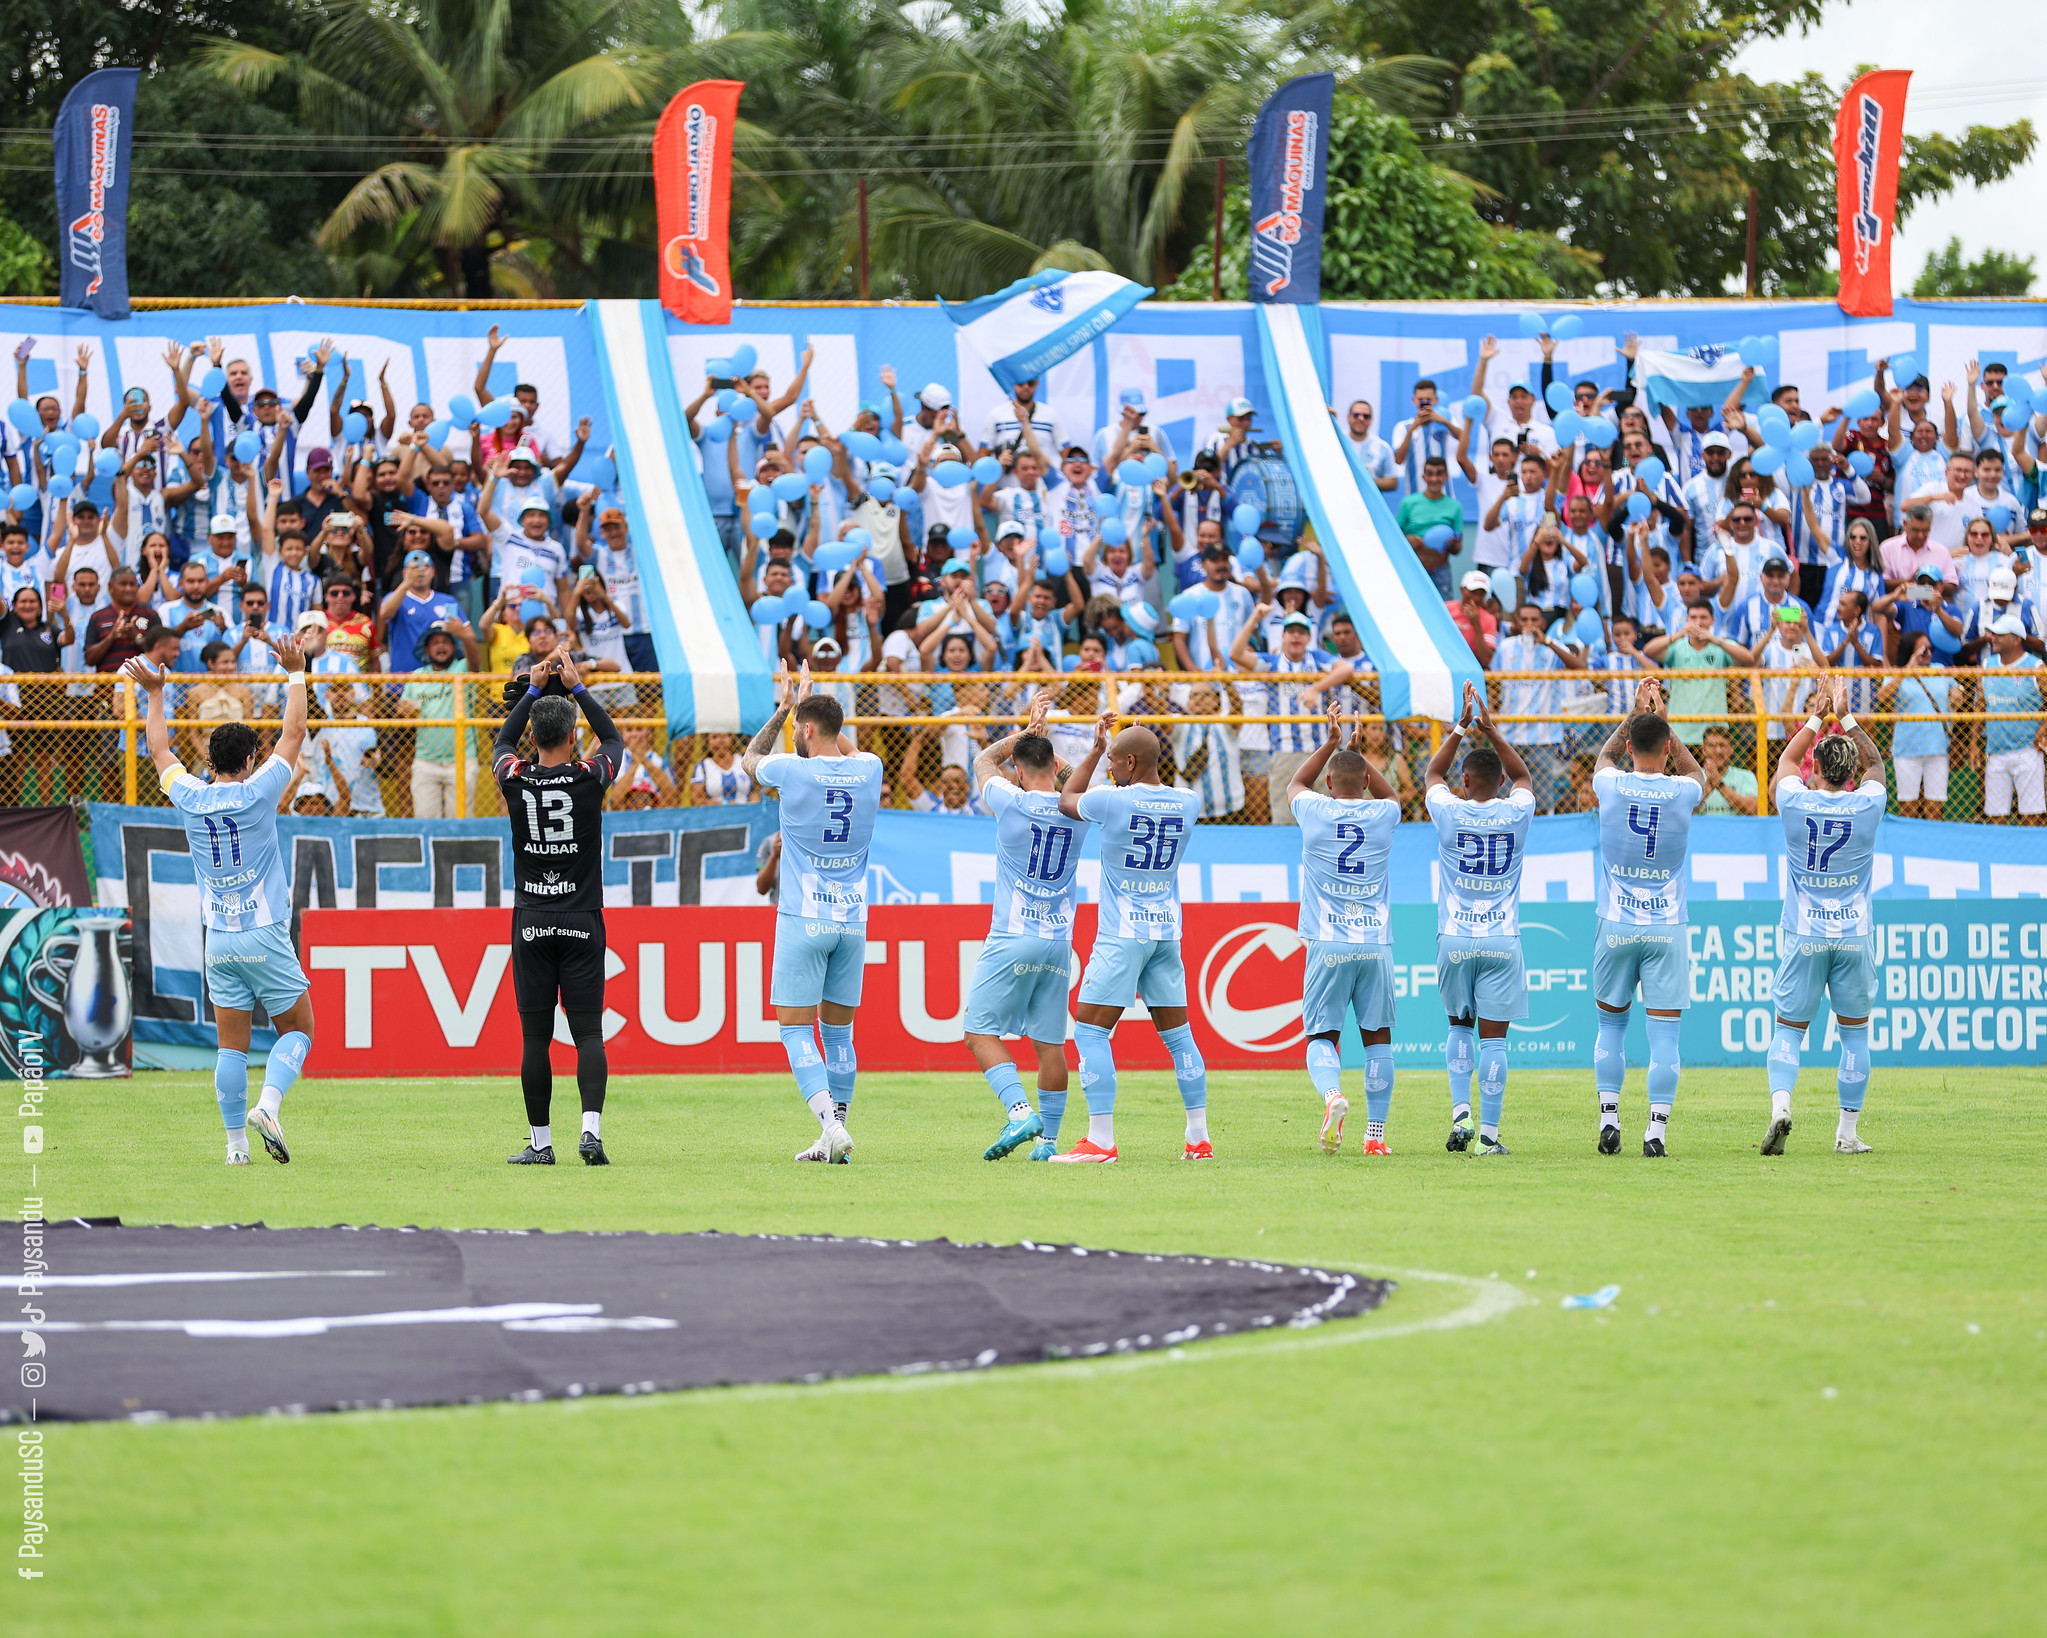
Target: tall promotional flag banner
693,198
1289,182
1869,135
95,128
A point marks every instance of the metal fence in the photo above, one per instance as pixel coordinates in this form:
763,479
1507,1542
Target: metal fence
76,739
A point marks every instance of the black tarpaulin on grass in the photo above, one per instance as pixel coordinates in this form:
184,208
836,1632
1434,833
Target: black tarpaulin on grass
234,1321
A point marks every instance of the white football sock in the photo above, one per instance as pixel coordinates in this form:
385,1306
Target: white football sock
1101,1131
1375,1130
1780,1106
1020,1111
1848,1120
593,1122
1489,1132
238,1140
821,1106
1197,1125
543,1136
1659,1119
271,1101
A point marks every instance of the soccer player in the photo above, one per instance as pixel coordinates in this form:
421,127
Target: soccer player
1645,825
1346,848
556,805
244,898
1830,847
1481,844
831,791
1137,936
1019,985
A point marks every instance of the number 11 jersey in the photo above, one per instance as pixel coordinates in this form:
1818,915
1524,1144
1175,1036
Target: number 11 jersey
1480,848
1144,835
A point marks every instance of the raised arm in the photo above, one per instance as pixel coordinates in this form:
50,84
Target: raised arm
1510,759
293,663
1318,759
1083,775
610,742
1446,753
765,743
150,680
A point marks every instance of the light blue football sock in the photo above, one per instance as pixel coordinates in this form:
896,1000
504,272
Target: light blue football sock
1052,1110
1457,1058
812,1086
1663,1061
1853,1078
231,1087
1325,1067
1187,1066
841,1067
1492,1084
281,1068
1785,1047
1379,1081
1610,1064
1007,1085
1097,1068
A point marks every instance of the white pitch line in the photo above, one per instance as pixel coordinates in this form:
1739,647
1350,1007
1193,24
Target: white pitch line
202,1276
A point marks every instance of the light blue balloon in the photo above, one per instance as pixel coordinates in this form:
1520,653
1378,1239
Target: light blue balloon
717,429
728,400
1568,327
22,496
1247,518
960,539
1999,515
1154,465
213,383
987,470
817,463
816,615
59,486
789,487
1057,562
1250,554
858,537
1589,631
107,462
1904,369
1861,405
461,409
2022,396
1207,604
1585,589
1504,589
355,427
1765,355
1132,472
760,503
893,449
1534,325
1767,459
769,611
1474,408
248,446
863,444
1862,463
1600,433
22,413
1638,506
602,470
1805,435
718,369
437,432
831,558
1943,640
882,489
1438,537
85,427
743,359
1050,539
1115,532
1568,425
497,412
951,474
1558,395
1777,434
1798,471
1652,472
1105,505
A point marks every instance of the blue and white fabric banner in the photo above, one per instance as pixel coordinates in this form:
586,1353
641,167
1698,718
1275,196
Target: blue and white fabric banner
1289,164
95,130
1023,331
1699,378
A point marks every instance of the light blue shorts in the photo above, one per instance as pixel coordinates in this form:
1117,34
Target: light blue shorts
257,964
1119,970
1481,977
1019,988
818,961
1656,958
1357,976
1814,969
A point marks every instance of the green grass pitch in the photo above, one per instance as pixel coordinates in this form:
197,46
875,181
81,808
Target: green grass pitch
1814,1408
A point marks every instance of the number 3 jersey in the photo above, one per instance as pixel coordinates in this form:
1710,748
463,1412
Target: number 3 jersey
1346,852
1830,848
1645,828
557,816
231,828
1037,860
1480,847
828,809
1144,833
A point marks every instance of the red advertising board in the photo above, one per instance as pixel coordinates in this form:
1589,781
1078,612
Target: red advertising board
429,992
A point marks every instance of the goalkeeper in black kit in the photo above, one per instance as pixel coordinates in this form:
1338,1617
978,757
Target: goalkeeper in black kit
556,805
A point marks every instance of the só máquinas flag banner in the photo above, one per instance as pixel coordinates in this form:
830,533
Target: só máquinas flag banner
1289,161
1869,135
693,198
1022,331
95,129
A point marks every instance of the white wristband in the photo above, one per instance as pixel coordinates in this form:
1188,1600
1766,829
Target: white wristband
1813,725
1456,728
294,679
1847,725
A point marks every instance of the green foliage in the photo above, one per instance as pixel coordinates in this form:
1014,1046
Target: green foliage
1994,273
1397,228
25,265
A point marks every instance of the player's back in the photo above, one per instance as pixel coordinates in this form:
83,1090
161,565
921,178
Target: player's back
1480,849
557,814
1830,857
1144,836
1037,861
828,808
1346,859
1645,829
231,828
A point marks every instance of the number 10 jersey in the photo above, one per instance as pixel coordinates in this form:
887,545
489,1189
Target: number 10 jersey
1037,862
1480,848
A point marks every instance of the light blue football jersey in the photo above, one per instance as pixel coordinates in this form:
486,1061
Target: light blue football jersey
828,809
1480,848
231,828
1037,858
1145,829
1830,852
1645,829
1346,854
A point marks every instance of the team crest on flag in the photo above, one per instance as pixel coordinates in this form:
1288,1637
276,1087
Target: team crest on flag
1022,331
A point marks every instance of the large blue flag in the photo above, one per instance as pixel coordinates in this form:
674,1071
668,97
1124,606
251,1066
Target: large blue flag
94,131
1289,161
1021,332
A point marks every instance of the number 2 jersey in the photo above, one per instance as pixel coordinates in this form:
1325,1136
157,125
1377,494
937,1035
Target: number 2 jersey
1480,847
231,827
1144,834
1037,860
1830,849
828,809
1346,856
1645,829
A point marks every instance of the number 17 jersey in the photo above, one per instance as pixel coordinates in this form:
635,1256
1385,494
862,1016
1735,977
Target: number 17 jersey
1144,835
1480,848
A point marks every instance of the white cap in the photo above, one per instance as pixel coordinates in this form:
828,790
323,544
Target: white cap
937,396
1239,406
312,617
2008,625
1012,527
1476,580
1716,440
2003,583
526,452
222,523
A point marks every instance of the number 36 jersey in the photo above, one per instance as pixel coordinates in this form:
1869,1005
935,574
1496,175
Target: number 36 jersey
1346,857
1830,849
1144,836
1480,847
1037,862
828,809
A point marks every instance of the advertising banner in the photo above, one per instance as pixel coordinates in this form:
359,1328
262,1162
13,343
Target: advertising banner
693,198
41,864
1869,135
95,130
1289,162
66,994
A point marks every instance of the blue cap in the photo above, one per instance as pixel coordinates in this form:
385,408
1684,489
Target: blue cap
1133,396
416,556
956,565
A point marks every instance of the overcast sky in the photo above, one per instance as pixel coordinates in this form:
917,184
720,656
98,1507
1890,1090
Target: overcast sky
1973,62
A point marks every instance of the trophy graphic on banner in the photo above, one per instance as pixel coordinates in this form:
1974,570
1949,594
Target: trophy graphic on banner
80,976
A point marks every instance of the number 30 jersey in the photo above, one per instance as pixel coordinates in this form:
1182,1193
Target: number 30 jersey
1144,836
1830,848
557,816
1645,828
1037,861
1480,848
828,809
1346,855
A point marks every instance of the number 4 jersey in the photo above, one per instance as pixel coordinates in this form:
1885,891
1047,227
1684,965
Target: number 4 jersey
1645,827
1830,847
1480,848
828,809
1144,834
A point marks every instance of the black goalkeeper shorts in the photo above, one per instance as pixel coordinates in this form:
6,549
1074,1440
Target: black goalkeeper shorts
558,954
